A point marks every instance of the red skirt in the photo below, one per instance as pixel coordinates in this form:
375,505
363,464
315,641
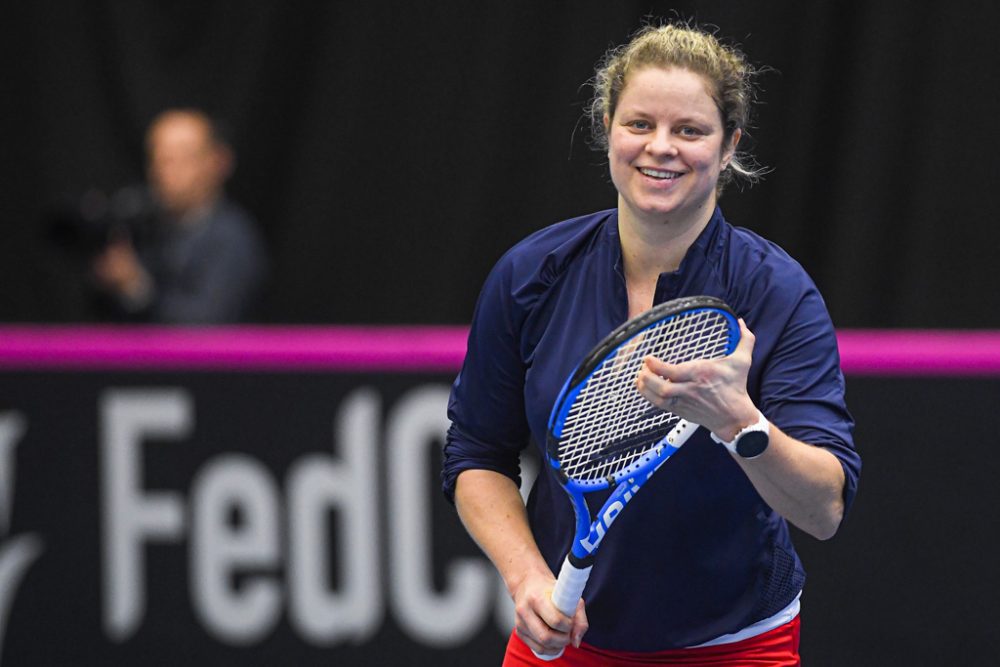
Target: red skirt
775,648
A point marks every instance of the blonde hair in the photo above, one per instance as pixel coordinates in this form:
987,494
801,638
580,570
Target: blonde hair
724,68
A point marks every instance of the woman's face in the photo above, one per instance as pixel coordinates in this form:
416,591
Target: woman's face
666,146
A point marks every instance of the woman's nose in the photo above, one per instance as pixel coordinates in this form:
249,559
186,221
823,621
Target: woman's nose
661,143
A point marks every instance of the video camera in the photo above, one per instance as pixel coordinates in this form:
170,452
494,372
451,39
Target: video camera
84,225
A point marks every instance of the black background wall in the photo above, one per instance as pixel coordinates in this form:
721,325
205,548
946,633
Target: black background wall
392,151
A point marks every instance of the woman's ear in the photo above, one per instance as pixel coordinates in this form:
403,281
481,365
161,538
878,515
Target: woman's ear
730,150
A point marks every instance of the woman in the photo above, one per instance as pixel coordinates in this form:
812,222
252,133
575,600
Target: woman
719,581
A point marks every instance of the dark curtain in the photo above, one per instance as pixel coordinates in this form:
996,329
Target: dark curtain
393,151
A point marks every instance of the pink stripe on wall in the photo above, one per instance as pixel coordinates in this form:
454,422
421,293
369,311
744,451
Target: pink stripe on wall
414,349
406,349
920,352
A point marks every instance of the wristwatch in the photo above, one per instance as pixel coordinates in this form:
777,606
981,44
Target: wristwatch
751,441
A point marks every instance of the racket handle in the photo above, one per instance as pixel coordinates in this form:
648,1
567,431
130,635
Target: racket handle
569,587
567,593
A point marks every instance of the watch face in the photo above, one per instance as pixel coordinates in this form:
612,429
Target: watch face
752,444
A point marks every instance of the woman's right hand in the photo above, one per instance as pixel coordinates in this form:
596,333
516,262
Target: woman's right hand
538,622
493,512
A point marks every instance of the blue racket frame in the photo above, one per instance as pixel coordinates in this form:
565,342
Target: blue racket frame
576,567
631,479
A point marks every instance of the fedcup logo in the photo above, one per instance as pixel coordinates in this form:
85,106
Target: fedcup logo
17,552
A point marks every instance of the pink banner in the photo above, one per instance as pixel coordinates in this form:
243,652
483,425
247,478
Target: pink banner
920,352
406,349
414,349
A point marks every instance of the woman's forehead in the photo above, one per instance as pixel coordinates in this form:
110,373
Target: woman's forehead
653,85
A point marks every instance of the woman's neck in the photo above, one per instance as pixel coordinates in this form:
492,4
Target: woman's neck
652,247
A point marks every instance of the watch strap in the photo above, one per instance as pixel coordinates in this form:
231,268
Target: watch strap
759,426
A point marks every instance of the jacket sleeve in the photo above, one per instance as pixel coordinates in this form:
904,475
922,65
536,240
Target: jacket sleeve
802,387
486,408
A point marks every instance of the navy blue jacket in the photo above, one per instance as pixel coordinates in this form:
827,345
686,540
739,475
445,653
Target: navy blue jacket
698,554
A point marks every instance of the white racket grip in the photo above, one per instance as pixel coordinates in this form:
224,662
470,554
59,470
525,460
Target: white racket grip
569,587
566,594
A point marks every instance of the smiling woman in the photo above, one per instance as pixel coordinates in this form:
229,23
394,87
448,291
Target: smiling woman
670,109
667,151
726,75
671,134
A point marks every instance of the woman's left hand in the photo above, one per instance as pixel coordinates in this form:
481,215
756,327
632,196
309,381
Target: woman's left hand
712,393
801,482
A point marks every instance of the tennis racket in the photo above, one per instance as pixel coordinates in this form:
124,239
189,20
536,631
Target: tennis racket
604,434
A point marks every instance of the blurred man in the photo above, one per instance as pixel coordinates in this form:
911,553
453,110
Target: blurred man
202,262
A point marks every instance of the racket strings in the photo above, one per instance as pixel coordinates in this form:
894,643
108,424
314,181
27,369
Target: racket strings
610,425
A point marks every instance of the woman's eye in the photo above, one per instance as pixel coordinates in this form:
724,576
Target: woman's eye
640,124
688,131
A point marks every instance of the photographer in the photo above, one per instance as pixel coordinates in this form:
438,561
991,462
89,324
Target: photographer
201,261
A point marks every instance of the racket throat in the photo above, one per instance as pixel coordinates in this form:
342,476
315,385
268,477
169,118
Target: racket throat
586,546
